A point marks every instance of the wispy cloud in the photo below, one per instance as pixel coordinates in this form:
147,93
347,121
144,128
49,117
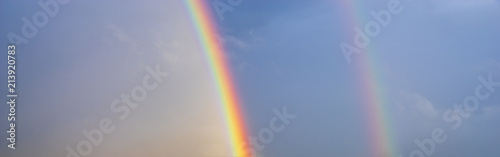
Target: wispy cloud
416,104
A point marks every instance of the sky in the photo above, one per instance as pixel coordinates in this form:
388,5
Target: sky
283,55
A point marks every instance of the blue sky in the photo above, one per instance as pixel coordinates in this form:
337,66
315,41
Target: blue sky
282,54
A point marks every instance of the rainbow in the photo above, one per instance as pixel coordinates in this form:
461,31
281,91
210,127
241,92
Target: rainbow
206,30
381,143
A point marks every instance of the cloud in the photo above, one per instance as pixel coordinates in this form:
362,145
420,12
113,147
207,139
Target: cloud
168,49
491,110
119,34
231,40
118,37
416,104
424,106
489,66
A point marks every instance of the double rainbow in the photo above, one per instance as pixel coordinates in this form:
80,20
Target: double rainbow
206,30
381,143
379,124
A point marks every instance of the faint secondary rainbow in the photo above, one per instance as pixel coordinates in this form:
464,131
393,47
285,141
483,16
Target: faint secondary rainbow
377,114
206,30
